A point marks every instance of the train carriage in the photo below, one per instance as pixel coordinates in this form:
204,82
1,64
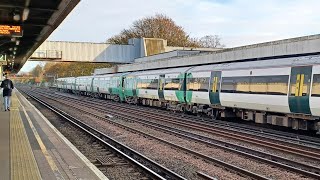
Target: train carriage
315,91
202,90
157,87
116,86
101,85
258,89
130,89
83,85
61,83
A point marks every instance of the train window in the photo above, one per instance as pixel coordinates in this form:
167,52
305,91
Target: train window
316,86
278,85
273,85
147,84
172,84
300,85
153,84
228,85
140,84
242,84
306,85
198,84
258,85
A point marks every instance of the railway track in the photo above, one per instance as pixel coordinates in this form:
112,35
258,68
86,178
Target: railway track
304,150
112,152
297,167
222,164
230,126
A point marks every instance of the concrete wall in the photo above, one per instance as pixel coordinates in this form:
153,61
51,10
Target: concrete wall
166,55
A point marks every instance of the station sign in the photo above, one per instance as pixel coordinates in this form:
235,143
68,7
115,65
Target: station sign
3,59
11,30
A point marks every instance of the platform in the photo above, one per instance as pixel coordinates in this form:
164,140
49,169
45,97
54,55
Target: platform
31,148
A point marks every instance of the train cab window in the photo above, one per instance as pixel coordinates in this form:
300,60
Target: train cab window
128,83
316,86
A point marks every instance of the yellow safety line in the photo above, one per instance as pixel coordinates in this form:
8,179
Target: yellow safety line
94,169
22,161
43,148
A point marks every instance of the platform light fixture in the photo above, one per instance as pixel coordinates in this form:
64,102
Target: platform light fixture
16,15
25,14
17,42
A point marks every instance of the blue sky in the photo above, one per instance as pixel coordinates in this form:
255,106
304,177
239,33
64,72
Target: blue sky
237,22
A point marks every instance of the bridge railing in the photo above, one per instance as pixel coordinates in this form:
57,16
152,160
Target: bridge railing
46,54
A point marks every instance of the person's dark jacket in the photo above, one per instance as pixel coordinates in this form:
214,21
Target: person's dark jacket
7,86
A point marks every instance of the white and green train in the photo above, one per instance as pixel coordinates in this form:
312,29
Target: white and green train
281,91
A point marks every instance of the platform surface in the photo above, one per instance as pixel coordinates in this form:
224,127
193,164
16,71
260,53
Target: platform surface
31,148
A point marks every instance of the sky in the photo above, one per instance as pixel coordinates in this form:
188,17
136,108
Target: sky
237,22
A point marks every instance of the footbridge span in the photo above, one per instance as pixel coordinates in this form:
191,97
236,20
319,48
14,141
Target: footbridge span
62,51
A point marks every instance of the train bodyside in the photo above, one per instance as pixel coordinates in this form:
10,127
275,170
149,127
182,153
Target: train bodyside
315,91
284,93
161,88
101,85
83,85
66,84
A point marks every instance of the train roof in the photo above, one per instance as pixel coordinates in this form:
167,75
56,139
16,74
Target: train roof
293,61
161,71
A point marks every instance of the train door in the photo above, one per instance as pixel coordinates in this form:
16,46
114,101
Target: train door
300,89
215,87
121,87
161,86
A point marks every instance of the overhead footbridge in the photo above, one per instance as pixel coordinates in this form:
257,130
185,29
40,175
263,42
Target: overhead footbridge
137,48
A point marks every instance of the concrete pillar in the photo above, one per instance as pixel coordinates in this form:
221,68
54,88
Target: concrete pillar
1,73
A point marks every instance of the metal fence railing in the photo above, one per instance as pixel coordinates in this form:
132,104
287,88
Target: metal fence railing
47,54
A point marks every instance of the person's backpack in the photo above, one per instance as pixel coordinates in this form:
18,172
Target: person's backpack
6,85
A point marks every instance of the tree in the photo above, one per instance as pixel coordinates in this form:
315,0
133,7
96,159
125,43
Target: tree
36,71
210,41
158,26
63,69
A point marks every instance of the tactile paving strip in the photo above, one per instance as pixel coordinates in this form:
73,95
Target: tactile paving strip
23,163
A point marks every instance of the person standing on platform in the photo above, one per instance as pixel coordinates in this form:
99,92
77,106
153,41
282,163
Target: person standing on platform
7,86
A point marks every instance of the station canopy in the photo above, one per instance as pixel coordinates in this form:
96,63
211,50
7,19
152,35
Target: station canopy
25,24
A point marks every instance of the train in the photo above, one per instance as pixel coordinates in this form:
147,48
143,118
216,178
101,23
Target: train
282,91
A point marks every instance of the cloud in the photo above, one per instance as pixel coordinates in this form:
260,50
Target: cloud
238,22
